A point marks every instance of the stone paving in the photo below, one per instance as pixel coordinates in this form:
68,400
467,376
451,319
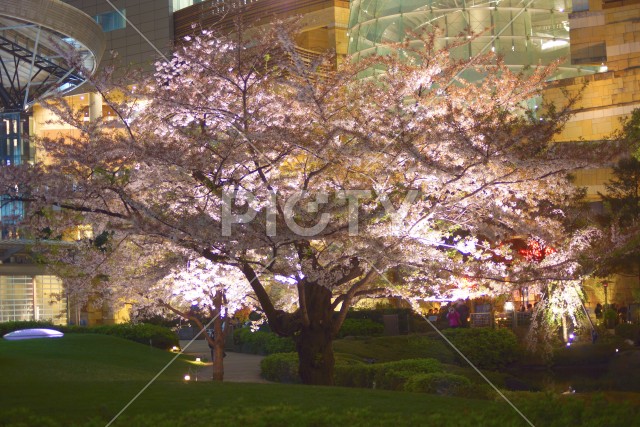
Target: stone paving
238,367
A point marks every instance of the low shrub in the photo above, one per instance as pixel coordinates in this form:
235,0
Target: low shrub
261,342
154,335
281,367
441,383
394,375
360,327
487,348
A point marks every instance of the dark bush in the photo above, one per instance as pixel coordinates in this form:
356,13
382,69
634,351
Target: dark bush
487,348
408,320
628,331
281,367
261,342
583,355
387,376
360,328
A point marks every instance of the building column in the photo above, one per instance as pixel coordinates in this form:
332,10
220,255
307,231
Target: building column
36,313
95,106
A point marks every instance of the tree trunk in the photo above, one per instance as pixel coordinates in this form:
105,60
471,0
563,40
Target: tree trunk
217,352
315,340
216,343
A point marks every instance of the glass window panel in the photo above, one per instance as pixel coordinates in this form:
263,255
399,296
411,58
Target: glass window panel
50,301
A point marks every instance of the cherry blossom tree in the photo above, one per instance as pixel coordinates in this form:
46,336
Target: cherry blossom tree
150,277
244,153
204,290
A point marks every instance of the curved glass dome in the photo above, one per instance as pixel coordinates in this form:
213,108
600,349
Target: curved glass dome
32,35
526,33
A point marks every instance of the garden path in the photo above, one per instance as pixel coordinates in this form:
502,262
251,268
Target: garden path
238,367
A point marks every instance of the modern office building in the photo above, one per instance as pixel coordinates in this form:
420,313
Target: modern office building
32,35
526,35
597,41
323,22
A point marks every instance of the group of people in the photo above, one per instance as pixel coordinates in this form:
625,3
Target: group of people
527,309
622,311
458,315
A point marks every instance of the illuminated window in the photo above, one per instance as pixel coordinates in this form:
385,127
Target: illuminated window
111,21
181,4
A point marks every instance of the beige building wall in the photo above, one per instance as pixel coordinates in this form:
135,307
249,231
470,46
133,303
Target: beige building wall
152,18
323,23
607,35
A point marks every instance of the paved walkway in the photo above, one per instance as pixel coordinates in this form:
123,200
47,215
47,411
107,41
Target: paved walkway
238,367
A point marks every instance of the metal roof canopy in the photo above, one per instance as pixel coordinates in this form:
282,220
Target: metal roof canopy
32,34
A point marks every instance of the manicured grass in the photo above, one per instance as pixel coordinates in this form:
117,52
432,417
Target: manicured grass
84,380
82,377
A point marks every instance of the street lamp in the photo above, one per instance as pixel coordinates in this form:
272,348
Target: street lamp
605,285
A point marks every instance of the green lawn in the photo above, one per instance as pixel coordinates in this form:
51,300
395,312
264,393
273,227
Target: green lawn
79,377
87,379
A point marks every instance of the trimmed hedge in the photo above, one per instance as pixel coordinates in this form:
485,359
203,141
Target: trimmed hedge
487,348
387,376
408,320
154,335
394,375
261,342
360,328
441,383
281,367
415,375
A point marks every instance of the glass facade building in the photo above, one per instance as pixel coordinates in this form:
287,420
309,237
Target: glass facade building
526,33
32,298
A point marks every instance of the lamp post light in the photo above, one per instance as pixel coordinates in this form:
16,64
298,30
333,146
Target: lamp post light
605,285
